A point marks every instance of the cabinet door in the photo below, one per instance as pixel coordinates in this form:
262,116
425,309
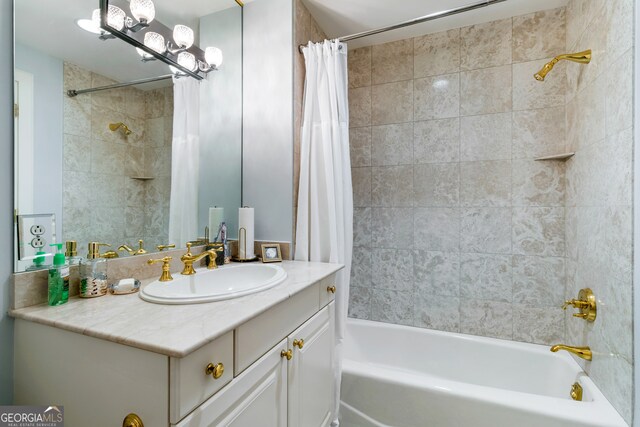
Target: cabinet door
257,397
310,372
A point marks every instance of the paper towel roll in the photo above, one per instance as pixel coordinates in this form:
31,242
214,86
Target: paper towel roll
245,220
216,216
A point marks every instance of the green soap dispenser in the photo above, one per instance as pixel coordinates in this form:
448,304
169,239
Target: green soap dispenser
58,278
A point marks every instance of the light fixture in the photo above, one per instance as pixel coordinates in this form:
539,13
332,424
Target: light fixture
173,47
187,60
154,41
143,10
183,36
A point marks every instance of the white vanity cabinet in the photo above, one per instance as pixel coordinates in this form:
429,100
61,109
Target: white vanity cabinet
275,369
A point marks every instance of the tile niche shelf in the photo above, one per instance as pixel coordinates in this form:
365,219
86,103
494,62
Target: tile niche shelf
561,157
142,178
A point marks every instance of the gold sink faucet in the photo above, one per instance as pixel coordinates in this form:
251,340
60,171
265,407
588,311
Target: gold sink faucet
188,259
582,352
139,251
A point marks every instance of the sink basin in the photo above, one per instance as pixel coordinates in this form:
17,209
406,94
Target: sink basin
230,281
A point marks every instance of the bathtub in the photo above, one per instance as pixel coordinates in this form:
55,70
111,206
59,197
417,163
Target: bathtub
403,376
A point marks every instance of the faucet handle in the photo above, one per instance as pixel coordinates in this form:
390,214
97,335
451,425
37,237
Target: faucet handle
167,246
213,254
586,303
188,249
141,250
166,267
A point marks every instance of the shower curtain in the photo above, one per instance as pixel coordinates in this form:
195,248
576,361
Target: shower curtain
325,199
183,210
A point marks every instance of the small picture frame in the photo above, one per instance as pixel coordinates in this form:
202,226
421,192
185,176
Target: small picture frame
271,252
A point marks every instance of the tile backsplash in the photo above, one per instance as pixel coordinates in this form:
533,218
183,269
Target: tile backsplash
456,226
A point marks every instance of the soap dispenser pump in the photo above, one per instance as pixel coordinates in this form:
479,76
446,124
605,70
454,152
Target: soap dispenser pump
93,273
58,279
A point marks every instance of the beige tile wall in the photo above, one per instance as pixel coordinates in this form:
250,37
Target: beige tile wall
599,184
101,201
456,227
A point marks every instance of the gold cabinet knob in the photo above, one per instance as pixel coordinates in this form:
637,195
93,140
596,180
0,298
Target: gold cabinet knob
287,353
298,343
216,371
331,289
132,420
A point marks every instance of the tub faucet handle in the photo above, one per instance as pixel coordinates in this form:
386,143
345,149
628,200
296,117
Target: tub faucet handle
586,303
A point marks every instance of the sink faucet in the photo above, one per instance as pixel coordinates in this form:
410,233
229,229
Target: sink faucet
188,259
582,352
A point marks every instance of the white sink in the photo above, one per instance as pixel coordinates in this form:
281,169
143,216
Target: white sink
229,281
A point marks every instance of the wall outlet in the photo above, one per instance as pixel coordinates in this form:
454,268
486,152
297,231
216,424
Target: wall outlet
35,234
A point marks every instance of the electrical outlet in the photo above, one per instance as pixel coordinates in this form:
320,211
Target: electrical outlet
35,234
37,230
38,242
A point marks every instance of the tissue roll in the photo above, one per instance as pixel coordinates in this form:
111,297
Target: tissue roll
245,220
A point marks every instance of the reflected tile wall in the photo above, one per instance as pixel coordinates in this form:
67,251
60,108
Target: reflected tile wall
451,208
100,200
599,180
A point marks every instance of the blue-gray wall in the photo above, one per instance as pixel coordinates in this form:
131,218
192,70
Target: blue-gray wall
221,121
48,116
6,198
268,116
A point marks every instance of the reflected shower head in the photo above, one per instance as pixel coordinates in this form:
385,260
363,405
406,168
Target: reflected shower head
124,128
580,57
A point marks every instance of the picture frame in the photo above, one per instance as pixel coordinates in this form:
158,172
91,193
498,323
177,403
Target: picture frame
271,252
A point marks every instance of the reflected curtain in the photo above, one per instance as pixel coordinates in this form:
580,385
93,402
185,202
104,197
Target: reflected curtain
325,199
185,161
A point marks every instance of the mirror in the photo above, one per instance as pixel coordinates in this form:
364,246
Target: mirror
101,161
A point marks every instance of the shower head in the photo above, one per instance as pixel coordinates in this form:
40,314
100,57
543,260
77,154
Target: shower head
124,128
580,57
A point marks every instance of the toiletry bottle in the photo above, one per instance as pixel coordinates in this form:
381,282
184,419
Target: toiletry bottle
71,253
93,273
38,262
58,278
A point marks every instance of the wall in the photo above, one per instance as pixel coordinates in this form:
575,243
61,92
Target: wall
221,121
6,200
305,29
599,190
268,116
101,201
456,227
47,80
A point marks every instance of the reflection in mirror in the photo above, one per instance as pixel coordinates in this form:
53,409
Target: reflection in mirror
101,162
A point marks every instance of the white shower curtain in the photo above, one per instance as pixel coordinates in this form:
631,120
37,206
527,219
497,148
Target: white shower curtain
183,211
325,200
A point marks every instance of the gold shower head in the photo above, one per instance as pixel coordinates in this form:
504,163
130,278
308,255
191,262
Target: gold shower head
580,57
124,128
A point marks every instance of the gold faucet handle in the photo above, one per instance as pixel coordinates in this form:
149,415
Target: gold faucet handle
166,267
163,247
141,250
213,254
188,250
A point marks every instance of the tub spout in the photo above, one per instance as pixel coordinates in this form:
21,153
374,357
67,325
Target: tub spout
582,352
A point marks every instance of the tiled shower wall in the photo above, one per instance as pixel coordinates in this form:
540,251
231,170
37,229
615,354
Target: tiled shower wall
101,200
456,226
599,190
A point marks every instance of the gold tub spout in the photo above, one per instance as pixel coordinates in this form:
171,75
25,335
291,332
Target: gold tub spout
582,352
583,57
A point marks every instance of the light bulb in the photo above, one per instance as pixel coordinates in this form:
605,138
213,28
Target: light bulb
183,36
143,10
213,56
92,25
116,17
154,41
187,60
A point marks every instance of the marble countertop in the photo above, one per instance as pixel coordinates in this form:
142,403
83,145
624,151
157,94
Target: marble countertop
172,330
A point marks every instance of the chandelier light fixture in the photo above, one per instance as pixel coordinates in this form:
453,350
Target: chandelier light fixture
152,39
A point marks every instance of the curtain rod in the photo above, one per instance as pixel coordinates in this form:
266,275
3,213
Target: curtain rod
73,92
425,18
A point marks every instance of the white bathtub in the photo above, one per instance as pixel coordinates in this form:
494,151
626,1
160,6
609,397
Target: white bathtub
402,376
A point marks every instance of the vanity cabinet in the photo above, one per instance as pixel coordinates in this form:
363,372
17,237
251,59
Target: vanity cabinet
273,370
